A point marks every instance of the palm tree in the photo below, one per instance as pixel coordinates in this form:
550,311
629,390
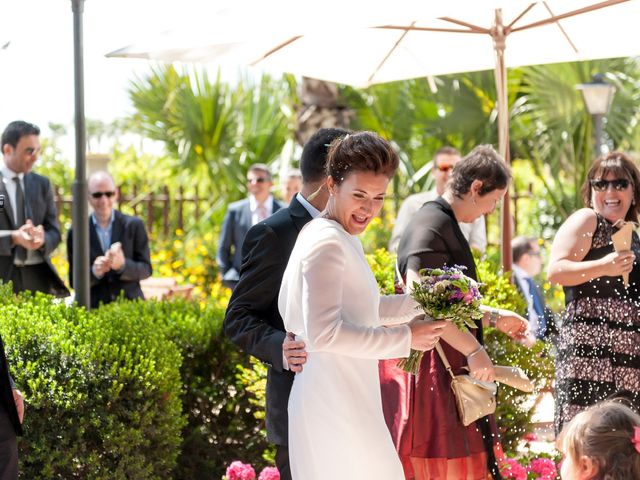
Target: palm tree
213,129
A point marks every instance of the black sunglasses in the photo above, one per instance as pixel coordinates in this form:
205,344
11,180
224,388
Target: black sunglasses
100,194
603,185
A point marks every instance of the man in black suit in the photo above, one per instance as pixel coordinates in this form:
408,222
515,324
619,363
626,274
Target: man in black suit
252,320
119,245
29,229
240,217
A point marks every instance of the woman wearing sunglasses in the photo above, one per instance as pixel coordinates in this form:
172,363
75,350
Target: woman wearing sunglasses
599,344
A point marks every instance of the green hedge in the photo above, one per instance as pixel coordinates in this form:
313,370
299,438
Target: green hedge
143,390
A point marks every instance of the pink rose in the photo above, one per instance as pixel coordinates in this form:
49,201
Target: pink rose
530,437
269,473
240,471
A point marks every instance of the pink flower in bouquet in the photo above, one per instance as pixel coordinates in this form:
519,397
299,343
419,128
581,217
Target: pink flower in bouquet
269,473
530,437
544,468
240,471
514,470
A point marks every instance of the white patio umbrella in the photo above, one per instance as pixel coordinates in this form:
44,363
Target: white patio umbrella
362,45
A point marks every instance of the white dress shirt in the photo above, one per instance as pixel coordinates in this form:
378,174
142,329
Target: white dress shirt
34,257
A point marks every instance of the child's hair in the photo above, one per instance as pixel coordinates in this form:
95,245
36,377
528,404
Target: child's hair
606,433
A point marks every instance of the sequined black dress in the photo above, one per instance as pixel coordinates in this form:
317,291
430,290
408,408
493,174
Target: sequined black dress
599,344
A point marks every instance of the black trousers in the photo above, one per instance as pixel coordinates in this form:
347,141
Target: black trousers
282,462
36,278
8,448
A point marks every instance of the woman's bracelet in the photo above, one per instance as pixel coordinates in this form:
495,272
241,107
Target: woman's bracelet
477,350
494,315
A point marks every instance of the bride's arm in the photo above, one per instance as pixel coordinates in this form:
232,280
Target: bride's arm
397,309
323,274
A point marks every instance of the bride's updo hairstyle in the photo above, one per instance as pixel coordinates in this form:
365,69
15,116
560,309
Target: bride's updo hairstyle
361,152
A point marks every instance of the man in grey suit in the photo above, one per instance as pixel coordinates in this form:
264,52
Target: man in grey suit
28,216
240,217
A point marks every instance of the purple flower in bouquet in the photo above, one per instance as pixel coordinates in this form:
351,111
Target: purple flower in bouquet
269,473
240,471
445,294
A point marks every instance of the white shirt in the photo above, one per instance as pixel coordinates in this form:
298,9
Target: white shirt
34,257
313,211
253,206
475,233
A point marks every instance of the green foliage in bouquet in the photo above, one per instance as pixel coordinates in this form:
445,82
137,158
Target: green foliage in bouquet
448,294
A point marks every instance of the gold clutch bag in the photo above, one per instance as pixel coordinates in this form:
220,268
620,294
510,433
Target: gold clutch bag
474,398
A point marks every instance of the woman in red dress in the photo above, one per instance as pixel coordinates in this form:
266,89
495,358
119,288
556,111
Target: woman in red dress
420,410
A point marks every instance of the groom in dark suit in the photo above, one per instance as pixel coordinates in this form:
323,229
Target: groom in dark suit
252,320
119,246
28,216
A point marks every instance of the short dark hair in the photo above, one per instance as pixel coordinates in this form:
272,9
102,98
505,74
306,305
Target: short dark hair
521,246
260,167
314,154
361,152
619,165
482,163
16,130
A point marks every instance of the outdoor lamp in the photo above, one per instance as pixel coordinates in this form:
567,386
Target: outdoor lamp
597,96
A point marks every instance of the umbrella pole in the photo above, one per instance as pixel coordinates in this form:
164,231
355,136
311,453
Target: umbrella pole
80,209
499,42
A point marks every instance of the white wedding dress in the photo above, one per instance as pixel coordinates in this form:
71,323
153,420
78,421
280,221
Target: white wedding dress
329,298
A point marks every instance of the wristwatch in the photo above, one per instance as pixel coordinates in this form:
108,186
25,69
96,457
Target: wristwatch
494,315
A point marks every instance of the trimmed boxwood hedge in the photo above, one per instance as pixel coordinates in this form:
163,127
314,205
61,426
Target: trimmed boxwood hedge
132,390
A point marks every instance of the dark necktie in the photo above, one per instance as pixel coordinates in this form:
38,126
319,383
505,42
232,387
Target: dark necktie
538,306
21,253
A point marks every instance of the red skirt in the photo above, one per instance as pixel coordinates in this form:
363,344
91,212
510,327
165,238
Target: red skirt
421,414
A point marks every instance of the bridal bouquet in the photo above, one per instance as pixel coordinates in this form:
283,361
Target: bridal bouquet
445,294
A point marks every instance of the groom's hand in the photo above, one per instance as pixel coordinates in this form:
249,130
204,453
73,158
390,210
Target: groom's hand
294,353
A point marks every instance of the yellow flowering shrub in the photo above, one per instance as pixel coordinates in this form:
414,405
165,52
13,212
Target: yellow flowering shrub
190,260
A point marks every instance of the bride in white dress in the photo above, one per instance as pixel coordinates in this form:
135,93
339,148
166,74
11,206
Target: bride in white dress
329,298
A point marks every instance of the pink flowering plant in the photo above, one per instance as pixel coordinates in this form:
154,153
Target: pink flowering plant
445,294
244,471
537,468
240,471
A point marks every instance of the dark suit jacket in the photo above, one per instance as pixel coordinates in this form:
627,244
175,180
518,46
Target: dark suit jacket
130,232
41,209
253,321
236,224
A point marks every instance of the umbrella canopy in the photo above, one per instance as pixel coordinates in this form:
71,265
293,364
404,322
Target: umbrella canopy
408,39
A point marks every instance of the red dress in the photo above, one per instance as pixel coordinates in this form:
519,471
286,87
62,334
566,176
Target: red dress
420,410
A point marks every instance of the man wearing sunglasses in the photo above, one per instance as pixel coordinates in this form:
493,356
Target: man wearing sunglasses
28,215
443,162
118,246
240,217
